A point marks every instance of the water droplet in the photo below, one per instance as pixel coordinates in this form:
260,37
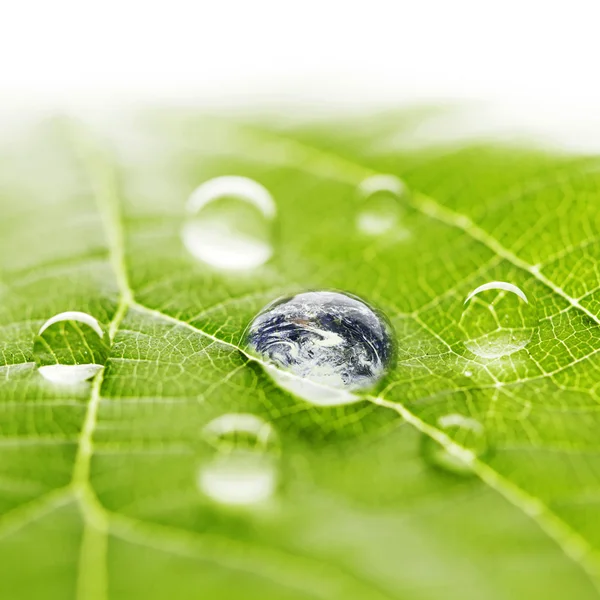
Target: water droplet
66,352
243,468
322,346
230,223
379,211
468,434
498,320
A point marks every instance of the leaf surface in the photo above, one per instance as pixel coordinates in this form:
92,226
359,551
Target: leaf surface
98,494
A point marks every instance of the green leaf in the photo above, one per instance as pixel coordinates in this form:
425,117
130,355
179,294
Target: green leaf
98,481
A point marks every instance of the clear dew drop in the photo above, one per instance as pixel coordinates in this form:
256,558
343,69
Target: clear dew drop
379,212
70,348
498,319
229,223
470,437
242,469
322,346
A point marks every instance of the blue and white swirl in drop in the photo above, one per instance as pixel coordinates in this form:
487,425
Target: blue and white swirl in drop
334,341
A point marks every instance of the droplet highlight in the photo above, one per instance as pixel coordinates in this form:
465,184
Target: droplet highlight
471,443
71,347
243,468
229,224
380,211
498,319
322,346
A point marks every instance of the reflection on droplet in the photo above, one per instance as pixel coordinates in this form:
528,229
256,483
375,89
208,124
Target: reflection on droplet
498,320
379,211
499,285
73,315
322,346
67,353
230,223
69,374
470,438
243,468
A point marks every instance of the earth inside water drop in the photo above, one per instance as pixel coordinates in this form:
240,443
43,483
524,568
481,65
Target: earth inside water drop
322,346
498,319
242,469
229,223
70,348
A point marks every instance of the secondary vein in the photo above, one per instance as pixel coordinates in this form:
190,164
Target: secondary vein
327,164
570,541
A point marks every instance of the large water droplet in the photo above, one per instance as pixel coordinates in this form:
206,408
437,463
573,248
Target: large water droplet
498,320
230,223
66,352
470,437
322,346
243,467
379,210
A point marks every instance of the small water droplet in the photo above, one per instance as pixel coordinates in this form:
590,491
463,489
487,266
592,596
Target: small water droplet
230,223
468,373
470,437
498,319
67,353
322,346
243,468
380,210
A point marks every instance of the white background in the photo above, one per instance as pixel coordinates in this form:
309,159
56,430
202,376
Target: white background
537,63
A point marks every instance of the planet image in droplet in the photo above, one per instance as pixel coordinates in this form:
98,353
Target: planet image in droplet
322,345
